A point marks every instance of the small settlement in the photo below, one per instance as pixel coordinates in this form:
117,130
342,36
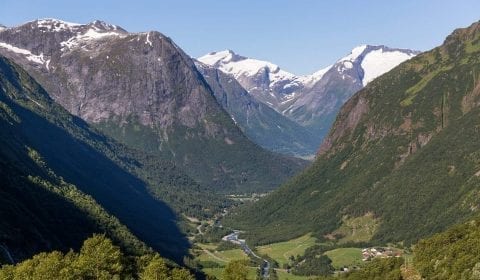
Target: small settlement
379,252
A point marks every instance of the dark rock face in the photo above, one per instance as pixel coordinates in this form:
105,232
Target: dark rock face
144,91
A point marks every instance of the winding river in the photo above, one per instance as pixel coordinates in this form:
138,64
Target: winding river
233,237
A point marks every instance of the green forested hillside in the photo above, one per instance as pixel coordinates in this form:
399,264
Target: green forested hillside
404,152
61,181
98,259
453,254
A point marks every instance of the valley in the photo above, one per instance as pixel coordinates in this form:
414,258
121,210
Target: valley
125,156
281,260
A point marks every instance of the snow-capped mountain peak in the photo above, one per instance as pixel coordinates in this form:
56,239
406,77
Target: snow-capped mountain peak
373,61
355,53
381,60
310,80
309,99
239,66
53,35
52,24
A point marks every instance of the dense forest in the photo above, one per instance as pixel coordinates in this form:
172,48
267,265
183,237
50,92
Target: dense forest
99,259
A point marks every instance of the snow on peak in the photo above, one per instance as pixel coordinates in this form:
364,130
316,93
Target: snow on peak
55,25
378,62
101,25
2,27
92,31
147,40
374,60
38,59
238,66
310,80
355,53
218,58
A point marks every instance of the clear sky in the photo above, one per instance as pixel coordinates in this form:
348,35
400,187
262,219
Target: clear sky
301,36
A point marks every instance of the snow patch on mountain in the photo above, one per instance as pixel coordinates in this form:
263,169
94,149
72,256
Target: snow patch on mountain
378,62
355,53
147,40
310,80
55,25
39,59
93,33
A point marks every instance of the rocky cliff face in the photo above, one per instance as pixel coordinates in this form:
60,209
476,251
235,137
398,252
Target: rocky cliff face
143,90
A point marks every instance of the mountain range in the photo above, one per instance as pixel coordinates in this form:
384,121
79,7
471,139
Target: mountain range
310,101
111,135
261,123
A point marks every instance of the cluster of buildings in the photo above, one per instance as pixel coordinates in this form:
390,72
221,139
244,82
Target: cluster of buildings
379,252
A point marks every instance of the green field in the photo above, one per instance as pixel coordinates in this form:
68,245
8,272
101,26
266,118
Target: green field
208,254
208,246
217,272
222,257
342,257
282,275
283,250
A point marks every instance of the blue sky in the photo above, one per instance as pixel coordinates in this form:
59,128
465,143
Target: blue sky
301,36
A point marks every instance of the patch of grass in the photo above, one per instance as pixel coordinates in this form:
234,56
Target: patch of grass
208,246
412,91
222,257
282,275
281,251
342,257
234,254
218,272
358,229
472,47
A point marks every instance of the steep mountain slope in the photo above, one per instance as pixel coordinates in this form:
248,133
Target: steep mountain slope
259,122
403,153
313,100
62,181
452,254
144,91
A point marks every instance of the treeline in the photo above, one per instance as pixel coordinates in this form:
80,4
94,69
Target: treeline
98,259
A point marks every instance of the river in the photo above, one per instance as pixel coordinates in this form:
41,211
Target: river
233,237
